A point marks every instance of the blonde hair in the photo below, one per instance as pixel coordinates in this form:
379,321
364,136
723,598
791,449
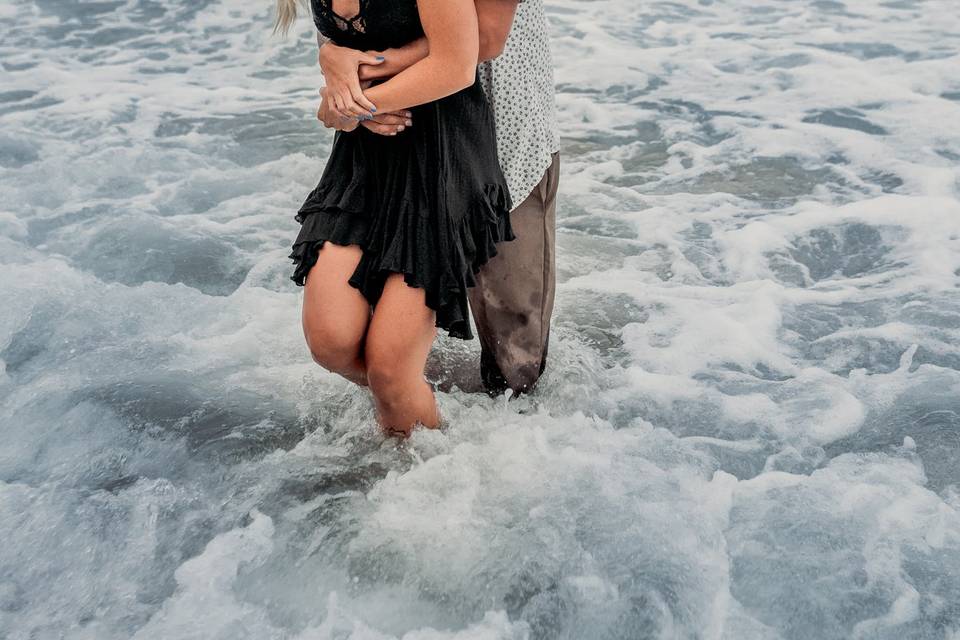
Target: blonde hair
286,15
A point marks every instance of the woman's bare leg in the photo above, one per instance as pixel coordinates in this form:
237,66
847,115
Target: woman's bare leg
335,315
397,345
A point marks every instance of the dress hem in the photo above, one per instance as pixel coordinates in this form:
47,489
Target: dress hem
446,285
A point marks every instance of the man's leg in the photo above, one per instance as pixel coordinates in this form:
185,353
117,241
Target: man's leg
513,300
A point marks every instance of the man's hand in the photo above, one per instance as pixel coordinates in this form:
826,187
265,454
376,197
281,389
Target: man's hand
389,124
330,117
341,69
385,124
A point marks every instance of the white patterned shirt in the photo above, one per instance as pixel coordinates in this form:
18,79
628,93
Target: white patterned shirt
519,86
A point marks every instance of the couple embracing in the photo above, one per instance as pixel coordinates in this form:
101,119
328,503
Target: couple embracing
440,189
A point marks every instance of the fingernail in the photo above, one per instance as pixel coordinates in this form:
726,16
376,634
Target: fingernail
373,109
381,58
400,128
409,123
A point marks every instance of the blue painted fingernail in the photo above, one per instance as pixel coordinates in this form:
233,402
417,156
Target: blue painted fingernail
381,58
373,109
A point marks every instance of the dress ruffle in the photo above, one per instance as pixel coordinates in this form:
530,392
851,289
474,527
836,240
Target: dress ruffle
406,242
431,204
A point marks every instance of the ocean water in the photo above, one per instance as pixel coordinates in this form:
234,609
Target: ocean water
750,427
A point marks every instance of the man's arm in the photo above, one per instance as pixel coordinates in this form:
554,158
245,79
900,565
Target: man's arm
386,124
494,20
453,37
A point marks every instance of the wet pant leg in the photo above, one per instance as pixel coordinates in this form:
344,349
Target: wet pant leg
513,301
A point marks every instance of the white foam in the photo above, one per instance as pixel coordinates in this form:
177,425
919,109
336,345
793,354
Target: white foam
747,428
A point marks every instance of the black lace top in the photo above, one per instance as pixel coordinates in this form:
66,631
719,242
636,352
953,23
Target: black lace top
379,25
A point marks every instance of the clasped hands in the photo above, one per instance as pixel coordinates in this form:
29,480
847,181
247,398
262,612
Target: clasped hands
343,106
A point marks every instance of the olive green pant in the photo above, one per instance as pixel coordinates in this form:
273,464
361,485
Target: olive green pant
513,300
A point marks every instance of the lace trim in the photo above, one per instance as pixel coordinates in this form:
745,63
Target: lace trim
356,24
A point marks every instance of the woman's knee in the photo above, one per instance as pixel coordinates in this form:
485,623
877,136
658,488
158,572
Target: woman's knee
335,315
334,350
398,342
386,378
393,380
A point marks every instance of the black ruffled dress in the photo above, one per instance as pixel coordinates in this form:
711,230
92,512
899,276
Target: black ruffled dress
431,203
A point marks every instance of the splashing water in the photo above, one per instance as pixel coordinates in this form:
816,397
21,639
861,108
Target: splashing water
750,427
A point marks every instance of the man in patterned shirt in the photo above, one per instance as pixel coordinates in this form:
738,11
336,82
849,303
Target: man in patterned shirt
513,301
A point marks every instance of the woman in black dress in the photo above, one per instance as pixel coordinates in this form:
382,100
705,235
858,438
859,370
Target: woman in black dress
393,234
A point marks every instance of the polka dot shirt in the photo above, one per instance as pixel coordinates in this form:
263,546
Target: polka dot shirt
519,86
